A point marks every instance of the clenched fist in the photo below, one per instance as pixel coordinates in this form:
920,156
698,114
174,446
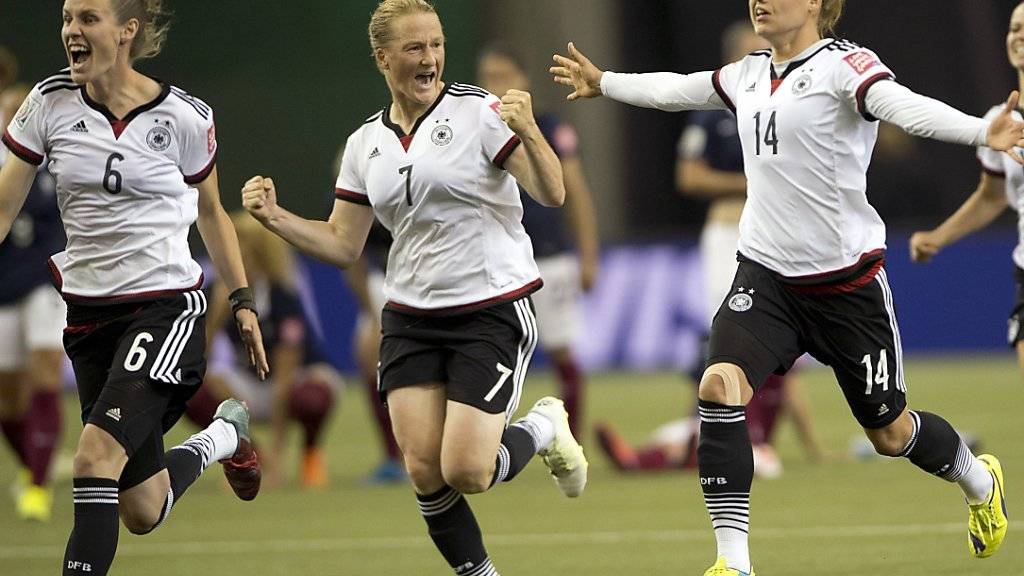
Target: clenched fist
259,198
517,111
924,246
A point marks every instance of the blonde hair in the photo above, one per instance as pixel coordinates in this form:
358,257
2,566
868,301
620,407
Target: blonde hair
828,17
386,13
272,255
153,26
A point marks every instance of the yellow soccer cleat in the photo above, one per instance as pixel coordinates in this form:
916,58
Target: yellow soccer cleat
564,457
987,523
719,569
35,503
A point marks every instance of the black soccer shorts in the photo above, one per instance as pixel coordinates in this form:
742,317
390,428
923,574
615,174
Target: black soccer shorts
765,325
136,365
481,356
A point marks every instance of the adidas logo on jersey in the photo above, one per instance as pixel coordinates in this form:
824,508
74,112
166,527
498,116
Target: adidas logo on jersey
374,154
114,413
80,127
752,87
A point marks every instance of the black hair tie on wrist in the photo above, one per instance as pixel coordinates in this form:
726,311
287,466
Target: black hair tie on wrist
242,298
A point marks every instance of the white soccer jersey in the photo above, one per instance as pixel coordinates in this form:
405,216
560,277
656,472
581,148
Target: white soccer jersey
807,143
1002,165
124,186
442,192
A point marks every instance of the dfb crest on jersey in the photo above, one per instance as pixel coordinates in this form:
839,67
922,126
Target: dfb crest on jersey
441,135
159,138
740,302
802,84
1013,330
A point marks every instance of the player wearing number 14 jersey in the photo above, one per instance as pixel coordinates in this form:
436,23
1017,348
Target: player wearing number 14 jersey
134,165
811,276
438,167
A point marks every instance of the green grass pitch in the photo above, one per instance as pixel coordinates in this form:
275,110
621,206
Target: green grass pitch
843,517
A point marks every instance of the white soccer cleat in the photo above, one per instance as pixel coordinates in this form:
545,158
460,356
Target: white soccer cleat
564,456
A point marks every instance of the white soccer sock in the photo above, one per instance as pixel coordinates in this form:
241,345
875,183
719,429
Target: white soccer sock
217,442
539,428
977,482
732,544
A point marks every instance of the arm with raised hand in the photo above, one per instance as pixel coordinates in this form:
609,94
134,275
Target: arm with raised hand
662,90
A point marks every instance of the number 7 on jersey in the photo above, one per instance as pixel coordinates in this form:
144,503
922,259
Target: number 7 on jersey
407,170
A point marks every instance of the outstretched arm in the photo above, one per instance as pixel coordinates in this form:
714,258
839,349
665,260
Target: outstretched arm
338,241
978,211
929,118
662,90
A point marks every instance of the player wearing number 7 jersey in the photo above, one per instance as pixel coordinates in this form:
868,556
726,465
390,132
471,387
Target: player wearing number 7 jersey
438,167
811,276
134,164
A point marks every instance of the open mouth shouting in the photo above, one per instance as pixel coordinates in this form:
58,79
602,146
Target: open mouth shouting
426,79
79,55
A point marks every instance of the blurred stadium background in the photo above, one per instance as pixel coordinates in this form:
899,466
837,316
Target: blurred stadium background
290,80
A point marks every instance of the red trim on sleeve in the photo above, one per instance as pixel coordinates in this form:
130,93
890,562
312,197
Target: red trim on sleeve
717,83
862,92
21,151
204,173
350,196
506,151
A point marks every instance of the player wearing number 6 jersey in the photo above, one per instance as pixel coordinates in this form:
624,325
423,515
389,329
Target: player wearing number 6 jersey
438,167
811,276
134,163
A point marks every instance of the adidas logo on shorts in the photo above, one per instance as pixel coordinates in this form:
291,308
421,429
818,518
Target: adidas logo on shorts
374,154
114,413
80,127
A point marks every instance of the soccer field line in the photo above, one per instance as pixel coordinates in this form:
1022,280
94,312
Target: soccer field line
257,546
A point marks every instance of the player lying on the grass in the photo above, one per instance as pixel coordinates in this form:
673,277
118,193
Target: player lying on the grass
1001,187
811,276
134,160
438,167
673,445
32,317
302,389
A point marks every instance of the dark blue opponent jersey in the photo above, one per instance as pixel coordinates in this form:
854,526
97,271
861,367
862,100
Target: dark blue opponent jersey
712,136
546,226
378,244
282,321
36,234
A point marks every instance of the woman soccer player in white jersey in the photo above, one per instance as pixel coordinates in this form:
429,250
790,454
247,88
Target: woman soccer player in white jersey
1001,187
811,250
134,160
438,167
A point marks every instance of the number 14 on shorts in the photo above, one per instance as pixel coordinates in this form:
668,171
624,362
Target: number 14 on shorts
880,374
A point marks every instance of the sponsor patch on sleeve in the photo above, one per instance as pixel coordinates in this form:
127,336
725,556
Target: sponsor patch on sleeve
496,106
28,109
861,62
211,139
